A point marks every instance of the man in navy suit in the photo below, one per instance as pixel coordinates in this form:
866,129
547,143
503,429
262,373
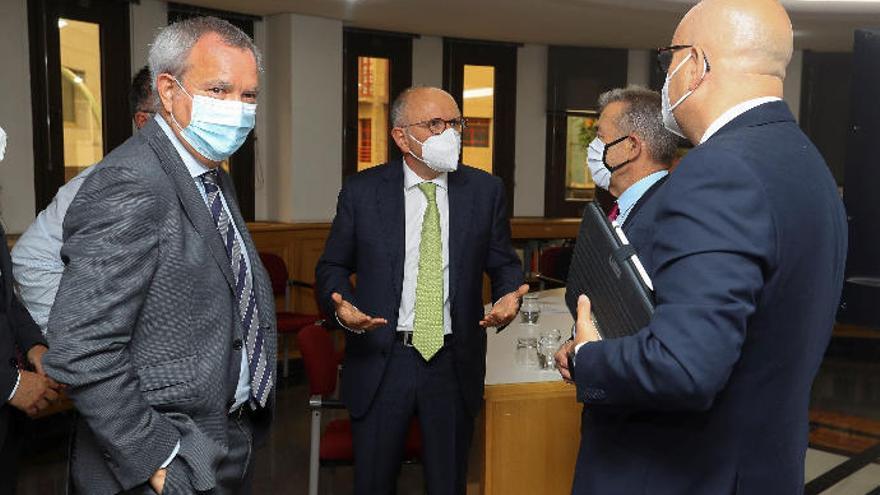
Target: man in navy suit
419,233
747,256
630,157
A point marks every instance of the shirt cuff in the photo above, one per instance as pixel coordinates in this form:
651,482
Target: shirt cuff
15,387
352,330
172,456
578,347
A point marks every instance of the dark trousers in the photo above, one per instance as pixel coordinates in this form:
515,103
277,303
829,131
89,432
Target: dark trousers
431,391
11,424
234,474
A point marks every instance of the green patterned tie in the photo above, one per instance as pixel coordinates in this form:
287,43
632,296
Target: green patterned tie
428,326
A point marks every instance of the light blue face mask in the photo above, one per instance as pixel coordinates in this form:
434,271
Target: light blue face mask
217,128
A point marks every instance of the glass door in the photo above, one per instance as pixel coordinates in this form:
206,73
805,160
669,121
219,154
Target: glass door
80,76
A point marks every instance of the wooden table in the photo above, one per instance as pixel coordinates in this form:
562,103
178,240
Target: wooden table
529,432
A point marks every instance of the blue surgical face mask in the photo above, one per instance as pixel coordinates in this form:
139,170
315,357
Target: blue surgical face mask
217,128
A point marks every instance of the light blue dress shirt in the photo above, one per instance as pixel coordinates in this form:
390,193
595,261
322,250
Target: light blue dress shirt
36,257
196,169
633,193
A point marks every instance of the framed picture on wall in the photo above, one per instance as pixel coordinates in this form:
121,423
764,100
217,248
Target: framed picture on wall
580,131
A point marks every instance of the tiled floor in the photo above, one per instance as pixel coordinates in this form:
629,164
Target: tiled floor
845,421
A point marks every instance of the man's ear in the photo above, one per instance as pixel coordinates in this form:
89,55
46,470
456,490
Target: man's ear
400,139
165,90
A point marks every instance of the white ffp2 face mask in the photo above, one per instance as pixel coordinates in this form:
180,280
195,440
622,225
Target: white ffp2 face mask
441,152
669,120
600,173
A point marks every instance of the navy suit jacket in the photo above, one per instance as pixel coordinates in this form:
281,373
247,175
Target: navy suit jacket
17,332
367,238
746,246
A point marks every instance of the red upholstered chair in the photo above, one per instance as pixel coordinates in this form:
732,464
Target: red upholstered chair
289,322
333,446
553,263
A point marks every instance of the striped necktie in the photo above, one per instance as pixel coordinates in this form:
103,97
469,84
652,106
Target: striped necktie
260,371
428,325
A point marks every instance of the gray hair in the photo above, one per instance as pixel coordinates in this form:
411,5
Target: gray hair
398,108
642,117
169,52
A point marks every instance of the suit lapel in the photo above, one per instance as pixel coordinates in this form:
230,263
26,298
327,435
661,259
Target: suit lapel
392,215
193,204
461,203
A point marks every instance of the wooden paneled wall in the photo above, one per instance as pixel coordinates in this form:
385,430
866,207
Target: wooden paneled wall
301,244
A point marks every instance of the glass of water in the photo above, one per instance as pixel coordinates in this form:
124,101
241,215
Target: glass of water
548,344
530,310
527,352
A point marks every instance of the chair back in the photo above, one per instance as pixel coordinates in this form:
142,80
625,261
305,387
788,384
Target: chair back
319,359
554,261
277,269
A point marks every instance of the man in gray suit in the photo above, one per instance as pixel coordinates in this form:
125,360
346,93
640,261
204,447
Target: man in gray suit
163,327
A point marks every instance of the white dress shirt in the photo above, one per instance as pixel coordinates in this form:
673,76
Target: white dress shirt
415,204
36,257
734,112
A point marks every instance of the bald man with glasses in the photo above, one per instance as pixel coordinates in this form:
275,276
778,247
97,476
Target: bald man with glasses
746,253
419,233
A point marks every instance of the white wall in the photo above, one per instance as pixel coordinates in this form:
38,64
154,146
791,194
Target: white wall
792,85
304,148
531,130
146,19
17,169
428,61
638,67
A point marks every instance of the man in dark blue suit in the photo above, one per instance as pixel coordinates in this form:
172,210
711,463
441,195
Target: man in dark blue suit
747,256
419,234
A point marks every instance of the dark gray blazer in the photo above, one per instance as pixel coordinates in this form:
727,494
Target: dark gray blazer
144,329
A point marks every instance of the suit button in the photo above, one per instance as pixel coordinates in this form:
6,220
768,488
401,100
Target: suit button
236,344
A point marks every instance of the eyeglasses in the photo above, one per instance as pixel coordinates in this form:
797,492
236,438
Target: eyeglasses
438,125
664,56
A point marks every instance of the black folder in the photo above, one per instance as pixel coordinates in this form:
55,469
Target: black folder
605,268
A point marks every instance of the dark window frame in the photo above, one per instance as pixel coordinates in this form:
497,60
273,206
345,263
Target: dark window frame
576,77
397,49
46,100
503,57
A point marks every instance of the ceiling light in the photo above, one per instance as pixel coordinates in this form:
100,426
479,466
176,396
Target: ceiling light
62,23
478,93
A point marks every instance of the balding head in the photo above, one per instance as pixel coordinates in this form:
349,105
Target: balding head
752,37
728,52
417,97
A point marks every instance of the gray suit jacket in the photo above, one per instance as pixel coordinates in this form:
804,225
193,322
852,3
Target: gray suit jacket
145,329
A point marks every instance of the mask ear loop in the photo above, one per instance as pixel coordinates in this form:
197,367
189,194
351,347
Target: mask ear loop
173,119
605,155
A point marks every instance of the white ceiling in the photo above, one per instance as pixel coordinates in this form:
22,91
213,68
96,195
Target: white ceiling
819,25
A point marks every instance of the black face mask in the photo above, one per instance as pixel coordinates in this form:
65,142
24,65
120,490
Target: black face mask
605,155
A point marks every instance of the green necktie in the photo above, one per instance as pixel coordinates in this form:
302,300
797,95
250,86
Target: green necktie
428,326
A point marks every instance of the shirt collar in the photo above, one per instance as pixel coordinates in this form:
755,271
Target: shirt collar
411,179
632,194
734,112
195,168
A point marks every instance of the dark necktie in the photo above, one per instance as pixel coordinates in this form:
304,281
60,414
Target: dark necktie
614,213
255,346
